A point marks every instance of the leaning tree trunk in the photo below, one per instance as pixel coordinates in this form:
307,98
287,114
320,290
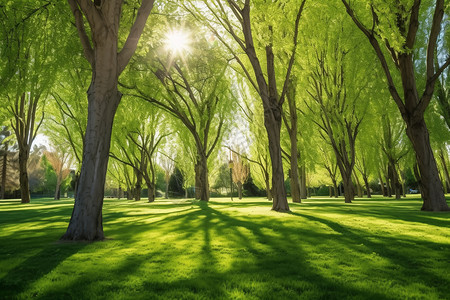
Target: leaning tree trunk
201,178
430,184
23,174
103,99
4,169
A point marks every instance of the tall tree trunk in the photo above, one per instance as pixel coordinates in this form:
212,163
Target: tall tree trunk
349,188
4,169
268,189
201,178
358,187
23,177
380,178
430,184
366,183
103,99
273,127
303,189
445,169
239,185
335,188
58,186
292,129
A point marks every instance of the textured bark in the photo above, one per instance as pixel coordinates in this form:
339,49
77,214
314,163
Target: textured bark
445,169
303,189
4,169
239,186
86,220
430,183
23,175
107,62
201,178
292,128
412,106
366,183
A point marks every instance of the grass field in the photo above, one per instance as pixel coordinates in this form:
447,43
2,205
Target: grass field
185,249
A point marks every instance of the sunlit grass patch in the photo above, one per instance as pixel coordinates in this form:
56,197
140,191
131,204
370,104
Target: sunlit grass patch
186,249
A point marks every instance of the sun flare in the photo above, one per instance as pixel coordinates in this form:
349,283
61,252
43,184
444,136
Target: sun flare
178,41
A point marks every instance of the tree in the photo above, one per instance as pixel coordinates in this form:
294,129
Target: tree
258,44
240,172
196,93
400,39
59,160
335,108
107,62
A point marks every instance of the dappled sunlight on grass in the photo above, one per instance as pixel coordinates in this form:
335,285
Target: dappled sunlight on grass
324,248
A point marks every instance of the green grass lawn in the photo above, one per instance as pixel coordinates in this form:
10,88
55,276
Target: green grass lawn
184,249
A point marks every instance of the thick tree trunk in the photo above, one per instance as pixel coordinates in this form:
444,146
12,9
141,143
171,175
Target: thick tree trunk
431,187
4,169
23,177
201,178
103,98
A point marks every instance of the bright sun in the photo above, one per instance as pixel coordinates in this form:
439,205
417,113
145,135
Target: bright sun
177,41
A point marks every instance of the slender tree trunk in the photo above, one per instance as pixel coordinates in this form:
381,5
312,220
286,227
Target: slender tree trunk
358,187
303,189
349,189
201,178
335,188
103,99
58,186
239,185
166,193
272,122
445,169
23,177
268,189
4,169
293,131
366,183
431,187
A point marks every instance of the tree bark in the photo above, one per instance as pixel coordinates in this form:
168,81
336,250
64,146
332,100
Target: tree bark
430,184
303,189
445,169
366,183
107,62
201,178
23,177
239,185
58,186
103,98
4,169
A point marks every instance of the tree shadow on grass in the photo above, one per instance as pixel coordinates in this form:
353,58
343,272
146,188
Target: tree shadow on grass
21,277
270,263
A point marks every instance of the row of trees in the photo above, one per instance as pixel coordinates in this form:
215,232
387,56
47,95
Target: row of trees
329,91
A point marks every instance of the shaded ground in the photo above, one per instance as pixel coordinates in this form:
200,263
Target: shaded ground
184,249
